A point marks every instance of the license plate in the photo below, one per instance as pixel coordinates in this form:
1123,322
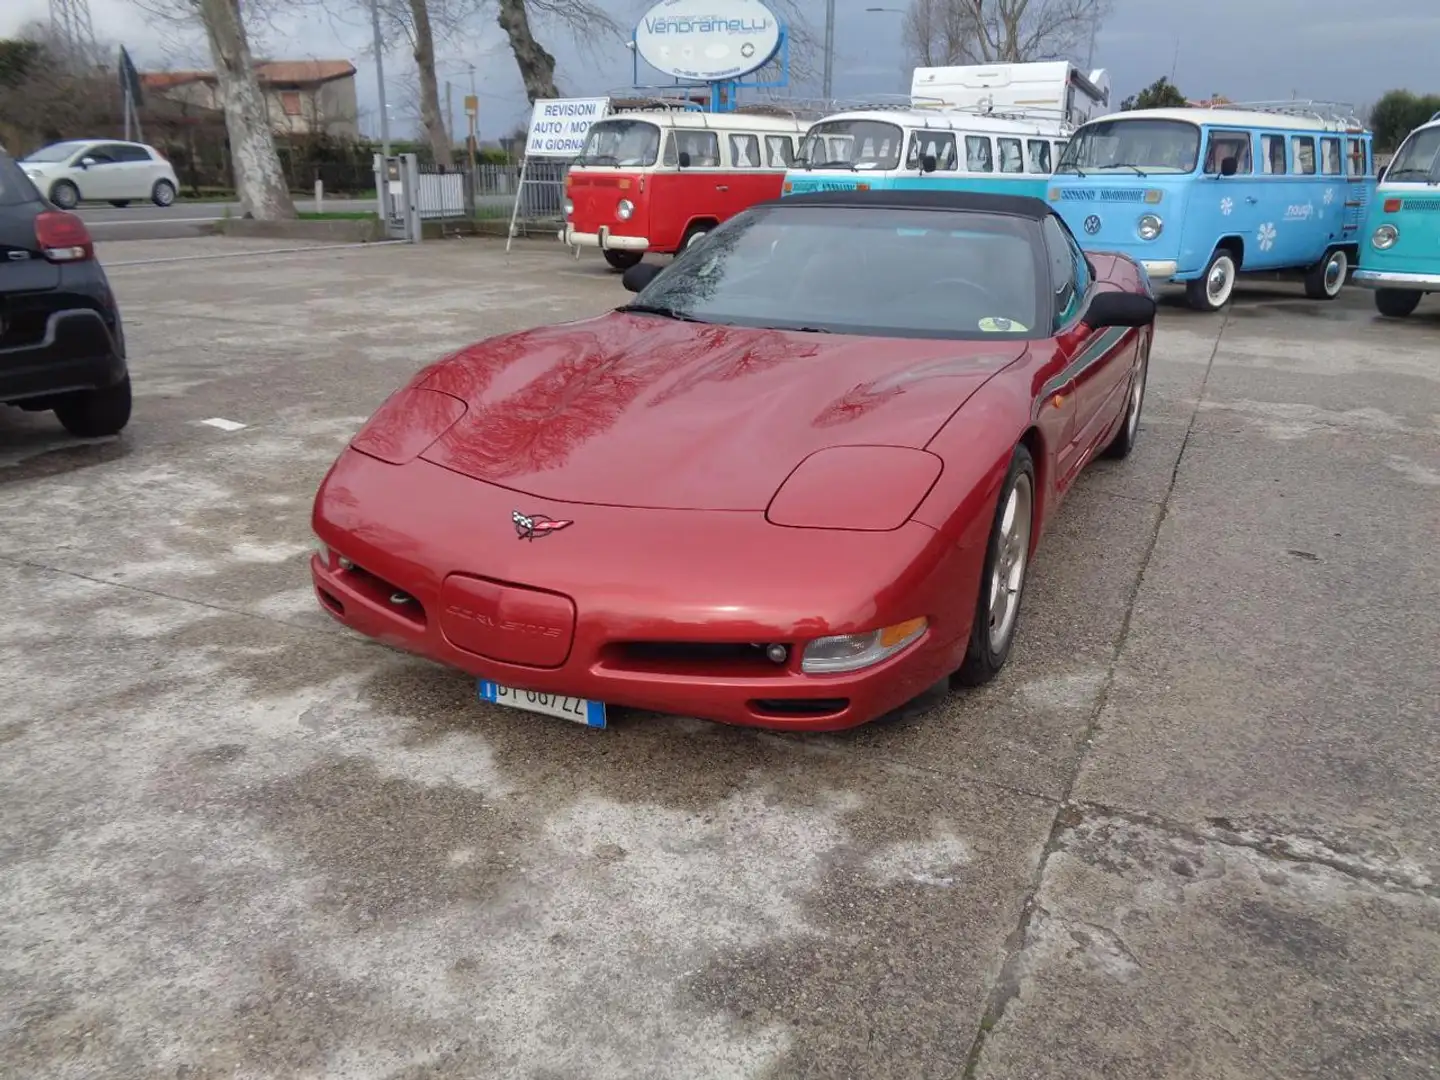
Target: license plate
576,710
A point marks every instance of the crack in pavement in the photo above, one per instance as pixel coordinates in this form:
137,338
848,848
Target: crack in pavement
1007,982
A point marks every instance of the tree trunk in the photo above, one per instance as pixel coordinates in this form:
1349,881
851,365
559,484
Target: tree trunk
537,67
430,116
258,180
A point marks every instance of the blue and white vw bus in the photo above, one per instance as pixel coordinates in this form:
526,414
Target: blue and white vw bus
1400,253
1199,195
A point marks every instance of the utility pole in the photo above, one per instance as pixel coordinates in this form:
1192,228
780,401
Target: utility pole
829,49
1090,56
380,78
449,115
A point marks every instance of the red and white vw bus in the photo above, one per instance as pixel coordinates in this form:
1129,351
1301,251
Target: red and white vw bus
658,180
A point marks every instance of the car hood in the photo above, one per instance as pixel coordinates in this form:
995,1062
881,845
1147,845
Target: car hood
633,410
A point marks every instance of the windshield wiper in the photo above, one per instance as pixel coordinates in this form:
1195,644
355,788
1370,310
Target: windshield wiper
658,309
599,159
1126,165
1423,173
830,165
1062,168
810,329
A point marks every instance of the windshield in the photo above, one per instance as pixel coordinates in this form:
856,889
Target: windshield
1140,147
1418,158
621,142
59,151
874,271
850,144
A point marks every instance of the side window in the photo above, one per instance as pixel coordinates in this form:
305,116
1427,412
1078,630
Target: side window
939,143
1354,158
1012,160
979,157
134,153
702,146
1062,271
103,153
1303,149
779,152
1272,154
745,151
1228,144
1330,157
1039,159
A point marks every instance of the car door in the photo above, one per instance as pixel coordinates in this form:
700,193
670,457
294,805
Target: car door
135,171
97,177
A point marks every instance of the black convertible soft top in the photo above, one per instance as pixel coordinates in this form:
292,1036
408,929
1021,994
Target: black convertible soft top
885,199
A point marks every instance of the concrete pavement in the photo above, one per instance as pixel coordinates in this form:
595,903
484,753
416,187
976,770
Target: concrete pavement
1190,832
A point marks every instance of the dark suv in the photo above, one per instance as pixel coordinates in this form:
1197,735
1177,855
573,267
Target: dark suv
61,343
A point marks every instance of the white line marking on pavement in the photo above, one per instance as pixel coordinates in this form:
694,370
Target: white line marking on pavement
245,254
223,424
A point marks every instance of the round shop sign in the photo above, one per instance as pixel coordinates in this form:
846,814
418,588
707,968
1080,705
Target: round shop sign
707,40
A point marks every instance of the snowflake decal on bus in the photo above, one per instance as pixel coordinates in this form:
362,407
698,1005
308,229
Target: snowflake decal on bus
1329,195
1226,205
1266,236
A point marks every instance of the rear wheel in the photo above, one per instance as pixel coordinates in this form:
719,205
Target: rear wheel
93,413
1396,303
1211,290
622,260
1002,582
163,193
64,194
1325,279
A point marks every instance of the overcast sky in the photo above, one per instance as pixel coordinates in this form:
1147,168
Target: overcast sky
1245,49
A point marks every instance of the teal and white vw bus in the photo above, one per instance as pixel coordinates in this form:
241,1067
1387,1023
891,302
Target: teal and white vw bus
1400,256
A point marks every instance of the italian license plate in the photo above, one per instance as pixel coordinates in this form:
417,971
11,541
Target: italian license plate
577,710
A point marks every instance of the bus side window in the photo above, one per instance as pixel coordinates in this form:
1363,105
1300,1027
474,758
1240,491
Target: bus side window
702,146
1272,153
1039,159
779,152
744,152
979,157
1355,158
1330,157
1303,148
939,143
1228,144
1012,159
1060,148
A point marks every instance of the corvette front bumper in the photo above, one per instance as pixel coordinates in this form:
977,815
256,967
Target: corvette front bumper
650,609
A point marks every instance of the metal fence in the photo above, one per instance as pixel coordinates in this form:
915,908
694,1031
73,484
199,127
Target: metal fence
493,192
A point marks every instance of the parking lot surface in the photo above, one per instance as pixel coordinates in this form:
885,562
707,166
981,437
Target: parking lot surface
1191,831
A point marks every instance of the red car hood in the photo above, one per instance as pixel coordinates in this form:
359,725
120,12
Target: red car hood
632,410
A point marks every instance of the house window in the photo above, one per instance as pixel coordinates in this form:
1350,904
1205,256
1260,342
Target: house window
290,102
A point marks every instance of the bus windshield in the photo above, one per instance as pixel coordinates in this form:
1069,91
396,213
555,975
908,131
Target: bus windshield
1418,159
1136,146
621,142
850,144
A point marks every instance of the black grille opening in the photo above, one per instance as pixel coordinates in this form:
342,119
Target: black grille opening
800,706
331,601
692,652
379,591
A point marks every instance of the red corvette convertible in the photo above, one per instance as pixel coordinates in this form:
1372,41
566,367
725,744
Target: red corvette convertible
796,483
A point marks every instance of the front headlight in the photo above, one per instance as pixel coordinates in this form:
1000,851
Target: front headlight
569,207
1385,237
851,652
624,209
1150,227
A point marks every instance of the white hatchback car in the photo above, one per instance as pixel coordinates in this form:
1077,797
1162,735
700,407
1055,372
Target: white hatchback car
95,170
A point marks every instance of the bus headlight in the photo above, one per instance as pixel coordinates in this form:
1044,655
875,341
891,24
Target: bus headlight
1150,227
623,209
569,207
1385,237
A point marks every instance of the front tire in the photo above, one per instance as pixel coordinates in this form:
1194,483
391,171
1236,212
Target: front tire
1325,279
91,414
163,193
622,260
1396,303
1002,581
1211,290
1125,438
64,194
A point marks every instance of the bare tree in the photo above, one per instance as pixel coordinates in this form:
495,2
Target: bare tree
586,22
942,32
419,24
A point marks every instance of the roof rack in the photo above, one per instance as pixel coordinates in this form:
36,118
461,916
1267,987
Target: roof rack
1327,112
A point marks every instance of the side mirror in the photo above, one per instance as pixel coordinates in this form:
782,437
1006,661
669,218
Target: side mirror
87,161
684,159
639,275
1229,166
1119,309
928,163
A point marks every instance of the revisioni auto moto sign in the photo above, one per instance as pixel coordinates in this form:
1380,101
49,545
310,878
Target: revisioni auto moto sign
708,40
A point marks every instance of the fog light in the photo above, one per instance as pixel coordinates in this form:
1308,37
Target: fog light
777,653
345,564
623,209
851,652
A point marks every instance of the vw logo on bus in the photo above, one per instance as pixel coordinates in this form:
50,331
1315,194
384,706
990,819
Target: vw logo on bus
1092,224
